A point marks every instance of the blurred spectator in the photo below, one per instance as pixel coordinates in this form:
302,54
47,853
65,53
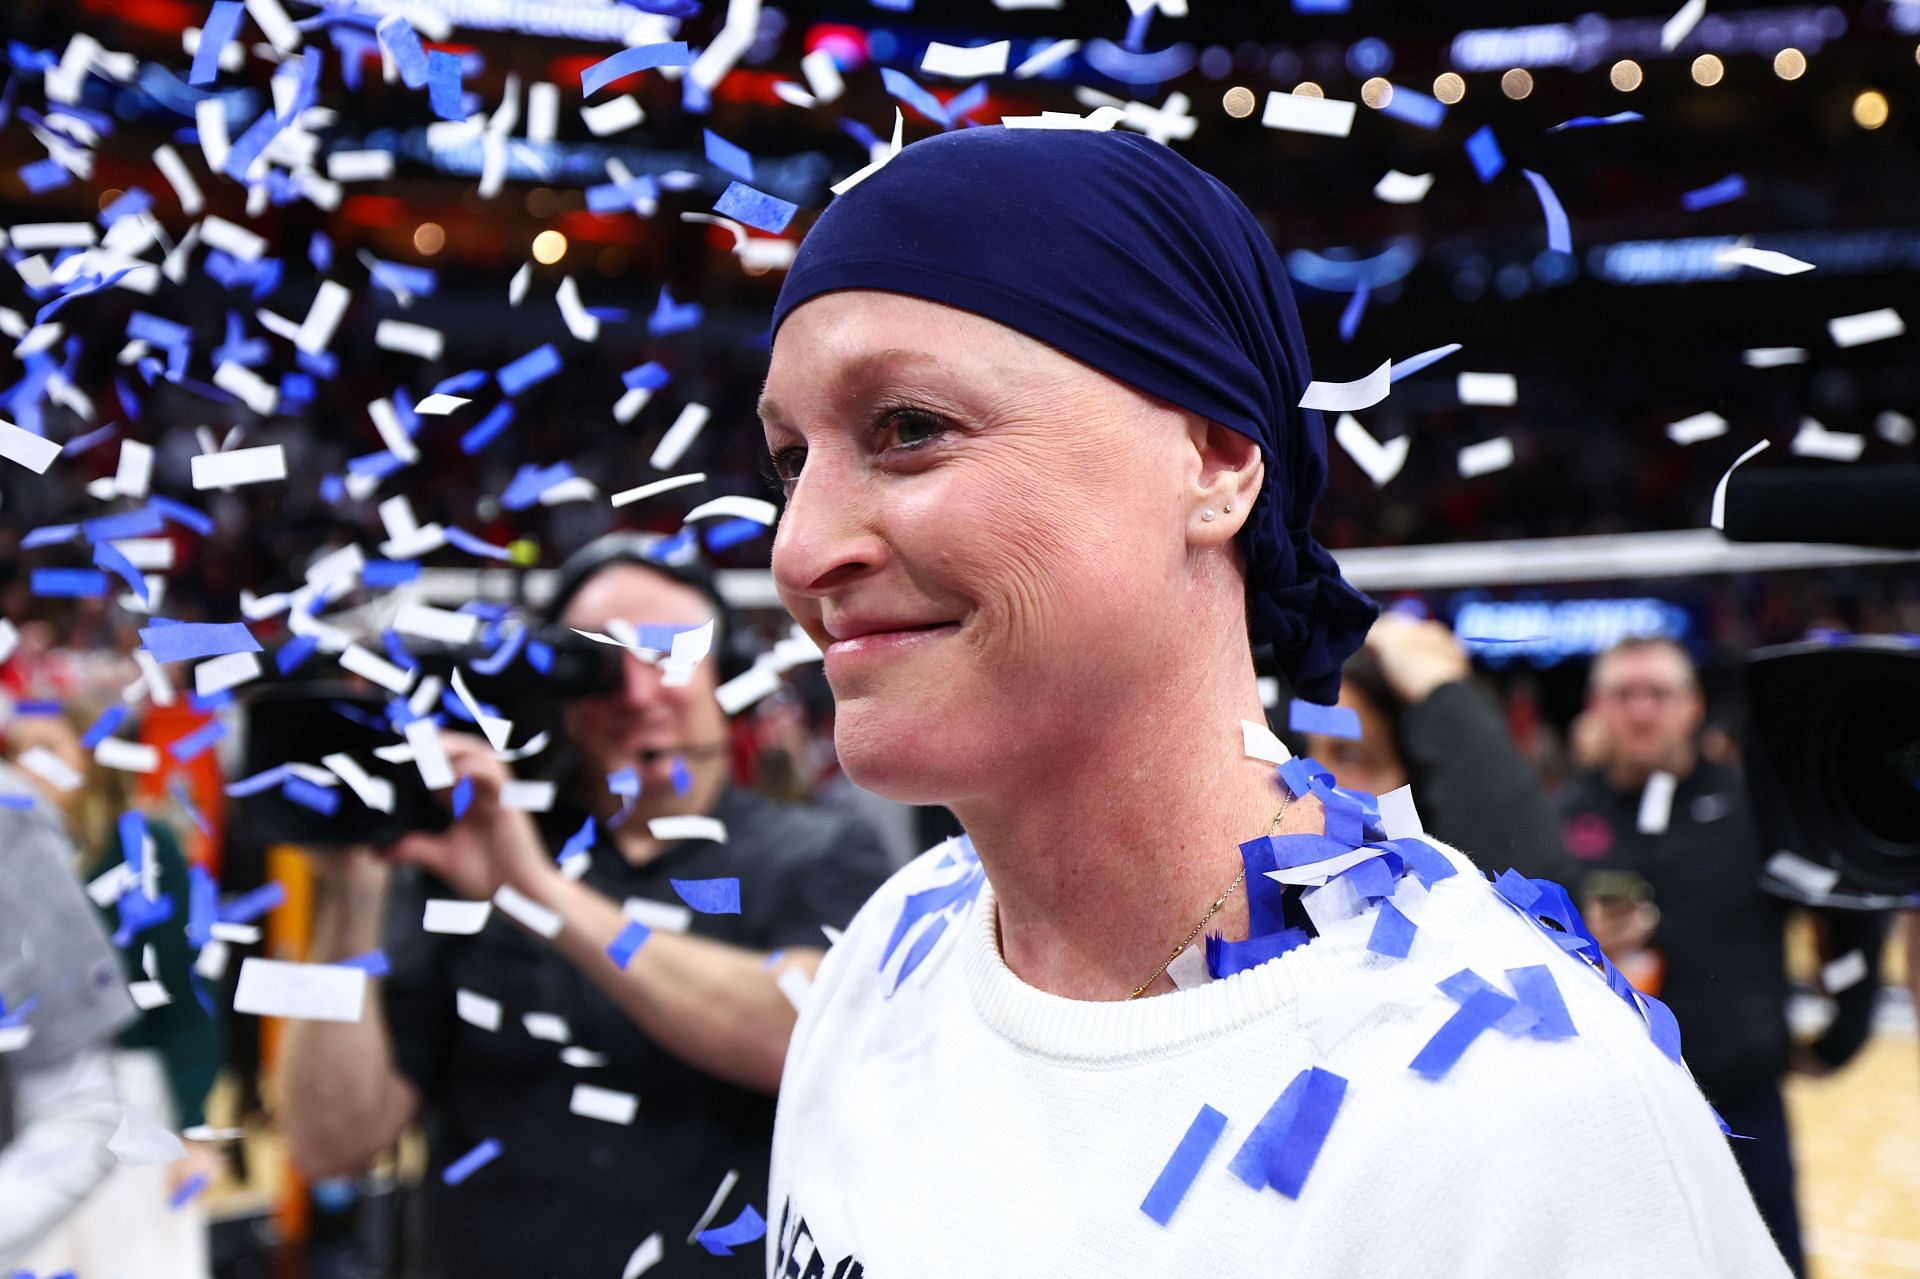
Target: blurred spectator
165,1063
1671,876
61,1002
1425,723
491,1036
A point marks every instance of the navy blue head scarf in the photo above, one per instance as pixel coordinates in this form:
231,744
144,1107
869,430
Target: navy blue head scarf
1114,250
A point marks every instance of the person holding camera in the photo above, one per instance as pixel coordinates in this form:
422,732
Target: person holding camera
1671,871
619,1039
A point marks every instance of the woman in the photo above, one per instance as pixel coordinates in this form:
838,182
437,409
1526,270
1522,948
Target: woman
1033,398
1425,723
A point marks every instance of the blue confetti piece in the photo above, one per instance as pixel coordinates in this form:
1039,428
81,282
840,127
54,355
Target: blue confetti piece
81,443
461,540
1392,934
1415,108
628,940
247,148
471,1162
179,792
132,201
667,53
43,176
141,523
1428,864
1485,153
397,37
1662,1027
742,1230
443,85
1559,236
903,87
188,748
581,841
1598,121
1351,313
373,963
728,157
462,797
106,726
1321,6
48,535
727,534
69,583
216,33
380,575
294,653
321,799
1478,1014
1332,721
671,317
132,829
39,706
682,776
1225,958
1539,992
1725,191
534,367
650,376
487,429
1250,1162
185,516
529,482
461,383
755,208
710,896
190,641
17,802
1292,1157
185,1191
108,556
1177,1176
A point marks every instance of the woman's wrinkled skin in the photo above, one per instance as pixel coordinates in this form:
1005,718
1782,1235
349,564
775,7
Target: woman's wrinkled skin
1078,705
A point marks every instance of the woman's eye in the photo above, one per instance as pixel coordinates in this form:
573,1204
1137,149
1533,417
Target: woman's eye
911,428
787,463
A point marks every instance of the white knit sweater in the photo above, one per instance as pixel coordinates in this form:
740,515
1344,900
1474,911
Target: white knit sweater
967,1125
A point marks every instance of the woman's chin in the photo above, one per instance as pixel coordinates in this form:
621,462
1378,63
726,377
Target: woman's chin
910,758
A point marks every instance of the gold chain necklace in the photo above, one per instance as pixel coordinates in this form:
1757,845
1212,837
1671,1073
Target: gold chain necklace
1212,910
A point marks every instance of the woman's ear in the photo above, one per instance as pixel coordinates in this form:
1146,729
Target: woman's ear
1224,481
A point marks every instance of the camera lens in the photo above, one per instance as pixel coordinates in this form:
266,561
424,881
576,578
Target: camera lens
1875,751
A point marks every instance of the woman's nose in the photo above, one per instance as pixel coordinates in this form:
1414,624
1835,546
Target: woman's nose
826,537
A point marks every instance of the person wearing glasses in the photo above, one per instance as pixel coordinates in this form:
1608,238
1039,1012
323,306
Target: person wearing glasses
626,1084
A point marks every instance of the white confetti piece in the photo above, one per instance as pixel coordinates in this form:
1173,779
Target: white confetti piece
1768,357
375,792
574,314
1681,24
1771,261
359,166
474,1008
9,639
550,1027
409,339
1487,388
604,1104
239,466
962,62
527,796
312,992
445,625
612,117
275,25
455,917
429,754
375,669
1894,428
24,448
643,491
743,690
230,237
1699,427
530,914
1099,120
1399,819
495,729
316,332
128,757
141,1141
1350,397
679,437
258,394
1844,973
727,1183
439,404
875,162
671,917
759,510
49,768
795,985
1815,440
1380,461
1258,742
1656,804
1717,516
1868,326
646,1256
688,826
1810,877
175,171
229,670
1396,187
1486,457
823,75
543,111
31,237
1327,117
1048,56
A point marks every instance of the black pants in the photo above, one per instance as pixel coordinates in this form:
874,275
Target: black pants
1766,1161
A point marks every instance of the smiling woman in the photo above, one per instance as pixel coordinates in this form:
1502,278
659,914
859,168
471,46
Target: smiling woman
1034,402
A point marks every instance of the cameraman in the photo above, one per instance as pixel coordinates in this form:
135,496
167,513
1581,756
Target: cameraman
486,1037
1669,831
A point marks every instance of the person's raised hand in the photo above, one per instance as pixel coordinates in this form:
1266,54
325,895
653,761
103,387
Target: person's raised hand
1416,656
490,844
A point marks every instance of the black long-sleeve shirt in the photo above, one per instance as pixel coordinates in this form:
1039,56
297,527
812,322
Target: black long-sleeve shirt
1722,936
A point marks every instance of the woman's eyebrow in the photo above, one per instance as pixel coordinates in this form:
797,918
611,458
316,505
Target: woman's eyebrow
852,371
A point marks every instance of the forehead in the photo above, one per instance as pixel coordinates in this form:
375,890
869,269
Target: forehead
1653,662
634,594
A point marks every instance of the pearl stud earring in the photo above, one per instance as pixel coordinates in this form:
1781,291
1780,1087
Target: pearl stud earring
1207,515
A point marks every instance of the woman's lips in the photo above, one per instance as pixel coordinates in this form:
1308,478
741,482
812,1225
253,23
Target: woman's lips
875,643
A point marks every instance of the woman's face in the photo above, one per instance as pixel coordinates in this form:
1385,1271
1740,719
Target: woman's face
1370,764
985,536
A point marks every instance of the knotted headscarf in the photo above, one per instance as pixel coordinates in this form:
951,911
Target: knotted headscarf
1111,248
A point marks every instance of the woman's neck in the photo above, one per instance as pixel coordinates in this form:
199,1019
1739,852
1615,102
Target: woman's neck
1102,864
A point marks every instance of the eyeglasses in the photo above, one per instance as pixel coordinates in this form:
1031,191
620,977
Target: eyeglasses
1660,694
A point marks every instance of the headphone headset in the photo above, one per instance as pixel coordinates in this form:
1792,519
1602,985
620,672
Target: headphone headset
733,647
